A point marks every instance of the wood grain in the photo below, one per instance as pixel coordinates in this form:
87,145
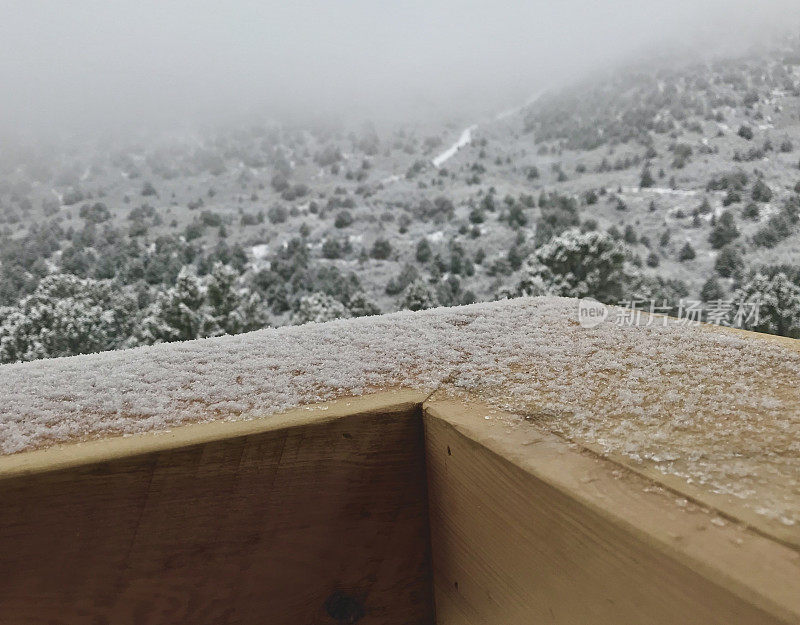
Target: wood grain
526,529
318,522
326,514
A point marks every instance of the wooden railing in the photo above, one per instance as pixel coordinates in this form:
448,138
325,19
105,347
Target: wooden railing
392,507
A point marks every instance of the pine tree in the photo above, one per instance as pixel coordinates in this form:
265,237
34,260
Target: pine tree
575,264
778,305
687,252
418,296
180,313
234,308
761,192
647,178
712,290
360,306
724,231
423,252
67,315
729,262
318,308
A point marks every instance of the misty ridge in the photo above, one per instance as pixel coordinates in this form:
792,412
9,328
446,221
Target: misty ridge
176,172
97,67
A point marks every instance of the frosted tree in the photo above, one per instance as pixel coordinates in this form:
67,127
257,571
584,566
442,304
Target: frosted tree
576,264
180,313
360,306
318,308
234,308
778,305
418,296
647,179
222,297
67,315
724,231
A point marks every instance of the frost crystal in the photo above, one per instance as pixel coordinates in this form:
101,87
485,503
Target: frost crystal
713,407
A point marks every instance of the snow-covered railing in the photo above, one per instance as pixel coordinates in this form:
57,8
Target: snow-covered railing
499,462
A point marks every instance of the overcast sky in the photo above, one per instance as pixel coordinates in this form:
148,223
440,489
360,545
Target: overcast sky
125,63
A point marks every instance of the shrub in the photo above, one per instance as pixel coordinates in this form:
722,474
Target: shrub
724,231
687,252
343,219
761,192
277,214
576,264
381,249
729,262
418,296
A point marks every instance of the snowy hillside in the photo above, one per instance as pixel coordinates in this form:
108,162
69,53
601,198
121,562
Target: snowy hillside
686,177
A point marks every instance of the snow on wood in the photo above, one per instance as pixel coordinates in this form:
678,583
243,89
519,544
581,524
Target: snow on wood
718,408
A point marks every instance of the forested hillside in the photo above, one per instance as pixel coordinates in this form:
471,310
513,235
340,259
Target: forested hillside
652,184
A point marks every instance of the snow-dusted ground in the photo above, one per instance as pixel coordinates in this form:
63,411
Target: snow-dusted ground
260,252
681,398
661,191
464,140
435,237
466,134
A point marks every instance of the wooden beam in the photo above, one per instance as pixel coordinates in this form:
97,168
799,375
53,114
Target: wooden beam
319,517
528,529
327,514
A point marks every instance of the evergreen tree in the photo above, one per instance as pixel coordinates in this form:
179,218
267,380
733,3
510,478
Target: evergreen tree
575,264
318,308
751,211
331,248
778,305
381,249
223,298
65,316
647,178
180,313
724,231
712,290
418,296
729,262
360,306
761,192
687,252
423,252
667,292
234,309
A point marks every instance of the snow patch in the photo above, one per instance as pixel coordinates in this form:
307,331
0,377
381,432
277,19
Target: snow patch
435,237
660,191
464,140
260,251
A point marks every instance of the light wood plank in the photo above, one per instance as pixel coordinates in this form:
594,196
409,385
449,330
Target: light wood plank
316,522
527,529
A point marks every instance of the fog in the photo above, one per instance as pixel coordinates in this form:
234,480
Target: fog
95,66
